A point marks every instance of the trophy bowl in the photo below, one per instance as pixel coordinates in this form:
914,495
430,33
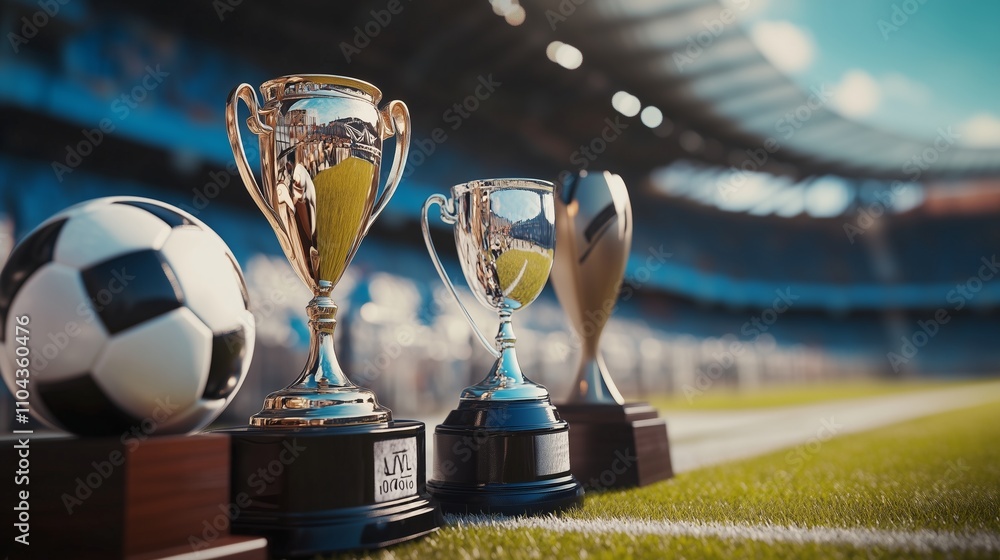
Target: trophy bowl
352,476
505,238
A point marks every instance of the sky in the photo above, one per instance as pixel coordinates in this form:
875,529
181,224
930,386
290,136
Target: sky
905,66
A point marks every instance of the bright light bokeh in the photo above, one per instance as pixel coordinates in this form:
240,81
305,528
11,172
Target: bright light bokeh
651,117
565,55
626,103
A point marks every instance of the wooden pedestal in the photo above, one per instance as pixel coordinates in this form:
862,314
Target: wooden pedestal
156,498
616,446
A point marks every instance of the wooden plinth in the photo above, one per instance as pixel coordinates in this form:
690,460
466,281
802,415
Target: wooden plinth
155,498
617,446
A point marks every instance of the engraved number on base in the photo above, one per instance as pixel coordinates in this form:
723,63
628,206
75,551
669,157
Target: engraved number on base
395,469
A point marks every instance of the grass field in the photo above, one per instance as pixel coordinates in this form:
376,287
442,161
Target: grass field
923,488
793,394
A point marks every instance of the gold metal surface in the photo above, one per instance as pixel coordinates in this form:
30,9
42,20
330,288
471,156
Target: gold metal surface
320,153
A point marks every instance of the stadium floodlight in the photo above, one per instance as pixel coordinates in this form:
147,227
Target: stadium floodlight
651,117
565,55
626,103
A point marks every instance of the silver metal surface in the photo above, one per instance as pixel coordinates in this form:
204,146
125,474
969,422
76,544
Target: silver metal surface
594,232
320,153
505,236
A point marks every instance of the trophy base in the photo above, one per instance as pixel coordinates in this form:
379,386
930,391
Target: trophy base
503,457
617,446
530,498
124,497
318,490
306,407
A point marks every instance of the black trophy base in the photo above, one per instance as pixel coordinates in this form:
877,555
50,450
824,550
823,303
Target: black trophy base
617,446
509,458
318,490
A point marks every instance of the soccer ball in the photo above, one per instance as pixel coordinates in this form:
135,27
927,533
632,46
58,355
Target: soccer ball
133,316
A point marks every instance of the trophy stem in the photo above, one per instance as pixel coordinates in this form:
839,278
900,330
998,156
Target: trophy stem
505,381
507,367
594,384
322,369
322,395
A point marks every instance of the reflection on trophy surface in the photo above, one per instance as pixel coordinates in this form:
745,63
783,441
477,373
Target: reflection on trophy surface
321,150
505,237
594,231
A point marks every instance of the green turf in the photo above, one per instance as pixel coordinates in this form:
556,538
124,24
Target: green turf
722,399
941,472
938,472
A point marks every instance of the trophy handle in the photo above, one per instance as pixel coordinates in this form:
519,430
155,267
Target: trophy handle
396,121
246,93
448,217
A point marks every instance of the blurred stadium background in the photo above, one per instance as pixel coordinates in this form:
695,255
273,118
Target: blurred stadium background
818,206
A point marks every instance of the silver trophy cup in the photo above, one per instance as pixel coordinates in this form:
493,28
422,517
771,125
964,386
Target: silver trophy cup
505,237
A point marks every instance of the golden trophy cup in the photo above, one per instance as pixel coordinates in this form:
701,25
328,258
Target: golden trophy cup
350,475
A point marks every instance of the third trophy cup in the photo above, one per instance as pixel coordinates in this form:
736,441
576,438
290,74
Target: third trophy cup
323,467
612,444
504,449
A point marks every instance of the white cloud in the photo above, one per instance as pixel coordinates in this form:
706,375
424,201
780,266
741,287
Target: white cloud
981,131
786,45
900,87
857,94
747,9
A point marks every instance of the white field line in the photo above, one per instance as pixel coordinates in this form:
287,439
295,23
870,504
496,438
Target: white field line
225,551
699,439
922,541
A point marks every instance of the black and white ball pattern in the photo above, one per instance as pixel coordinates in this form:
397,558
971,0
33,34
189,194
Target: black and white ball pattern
138,319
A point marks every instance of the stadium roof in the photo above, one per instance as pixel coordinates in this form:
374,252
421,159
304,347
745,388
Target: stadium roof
539,114
693,59
718,100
